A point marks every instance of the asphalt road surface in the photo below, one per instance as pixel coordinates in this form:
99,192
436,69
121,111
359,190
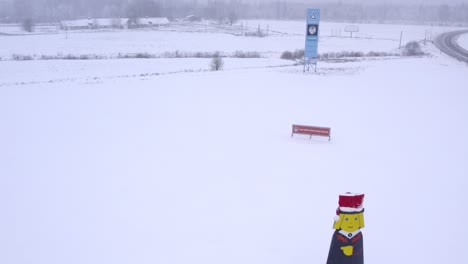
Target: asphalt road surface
447,43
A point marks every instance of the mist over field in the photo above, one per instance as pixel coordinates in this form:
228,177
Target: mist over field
115,159
412,11
164,131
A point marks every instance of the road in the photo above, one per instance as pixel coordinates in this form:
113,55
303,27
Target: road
447,42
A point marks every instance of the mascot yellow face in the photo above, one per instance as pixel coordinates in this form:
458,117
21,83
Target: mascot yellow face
350,222
347,240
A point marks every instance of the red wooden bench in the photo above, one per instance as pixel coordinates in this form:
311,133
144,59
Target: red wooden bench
311,131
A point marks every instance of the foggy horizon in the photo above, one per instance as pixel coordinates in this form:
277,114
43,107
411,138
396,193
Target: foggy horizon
370,2
379,11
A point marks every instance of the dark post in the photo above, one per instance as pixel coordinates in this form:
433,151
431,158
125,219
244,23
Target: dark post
401,36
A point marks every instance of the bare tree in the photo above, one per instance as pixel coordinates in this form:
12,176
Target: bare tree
229,10
28,25
444,13
232,18
217,62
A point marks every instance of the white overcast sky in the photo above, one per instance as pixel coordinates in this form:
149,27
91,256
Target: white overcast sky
331,1
416,2
312,2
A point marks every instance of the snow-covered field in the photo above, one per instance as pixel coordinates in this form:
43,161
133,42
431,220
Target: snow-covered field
162,161
463,41
283,35
43,71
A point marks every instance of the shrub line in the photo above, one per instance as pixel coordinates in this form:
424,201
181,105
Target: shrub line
299,55
141,55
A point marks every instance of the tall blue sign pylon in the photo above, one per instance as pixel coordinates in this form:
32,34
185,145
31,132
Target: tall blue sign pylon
312,38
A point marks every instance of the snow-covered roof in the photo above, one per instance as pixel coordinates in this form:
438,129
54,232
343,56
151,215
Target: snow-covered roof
77,23
103,22
110,21
153,21
192,18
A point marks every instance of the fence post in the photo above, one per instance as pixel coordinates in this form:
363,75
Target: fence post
401,36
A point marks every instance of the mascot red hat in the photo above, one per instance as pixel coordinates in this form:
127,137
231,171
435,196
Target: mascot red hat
350,203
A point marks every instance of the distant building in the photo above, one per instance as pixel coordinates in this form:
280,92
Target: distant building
94,23
148,22
192,18
110,22
76,24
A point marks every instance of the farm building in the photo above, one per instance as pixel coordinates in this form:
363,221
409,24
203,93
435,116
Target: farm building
192,18
148,22
76,24
110,22
94,23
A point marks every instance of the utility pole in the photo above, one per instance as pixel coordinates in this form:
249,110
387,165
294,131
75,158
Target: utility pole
401,36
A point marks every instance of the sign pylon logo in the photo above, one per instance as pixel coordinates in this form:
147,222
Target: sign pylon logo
311,39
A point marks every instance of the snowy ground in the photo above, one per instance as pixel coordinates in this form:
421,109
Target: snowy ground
463,41
283,35
161,161
43,71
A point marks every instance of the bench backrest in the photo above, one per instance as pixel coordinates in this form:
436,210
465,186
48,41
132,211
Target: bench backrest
311,130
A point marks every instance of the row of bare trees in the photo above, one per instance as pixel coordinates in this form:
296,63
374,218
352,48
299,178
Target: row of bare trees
56,10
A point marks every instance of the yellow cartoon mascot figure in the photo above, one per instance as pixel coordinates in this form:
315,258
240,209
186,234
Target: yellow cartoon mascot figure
346,245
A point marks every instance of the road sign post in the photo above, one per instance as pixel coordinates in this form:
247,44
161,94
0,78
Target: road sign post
351,29
311,42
